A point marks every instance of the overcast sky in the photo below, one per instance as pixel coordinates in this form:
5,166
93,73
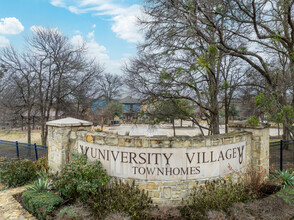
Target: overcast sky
108,26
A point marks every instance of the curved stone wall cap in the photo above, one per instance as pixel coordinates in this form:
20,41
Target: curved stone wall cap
69,122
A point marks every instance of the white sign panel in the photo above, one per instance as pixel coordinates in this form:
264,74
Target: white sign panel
167,163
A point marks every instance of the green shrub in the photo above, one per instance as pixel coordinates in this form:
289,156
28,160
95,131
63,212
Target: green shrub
68,212
20,172
40,185
17,172
80,178
285,178
217,195
119,198
41,204
42,164
253,121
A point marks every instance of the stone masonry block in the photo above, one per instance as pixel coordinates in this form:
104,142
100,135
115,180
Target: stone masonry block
187,143
199,142
150,193
167,192
145,142
90,138
139,143
73,135
228,140
141,187
156,194
177,143
111,141
176,194
121,142
99,140
129,142
156,143
152,186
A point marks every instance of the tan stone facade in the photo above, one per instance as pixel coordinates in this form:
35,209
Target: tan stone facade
63,141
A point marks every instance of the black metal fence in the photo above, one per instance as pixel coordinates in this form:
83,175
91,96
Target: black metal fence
282,154
15,149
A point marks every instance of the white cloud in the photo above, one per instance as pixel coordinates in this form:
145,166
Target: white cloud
75,10
125,25
58,3
99,53
10,26
94,26
4,42
95,50
124,18
91,34
77,32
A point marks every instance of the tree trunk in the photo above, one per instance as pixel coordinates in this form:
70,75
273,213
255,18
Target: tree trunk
214,113
29,129
174,127
102,124
215,124
45,135
33,122
21,123
29,150
226,111
43,138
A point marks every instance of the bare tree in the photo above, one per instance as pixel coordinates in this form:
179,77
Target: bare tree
61,69
22,79
233,77
109,86
255,31
51,73
175,63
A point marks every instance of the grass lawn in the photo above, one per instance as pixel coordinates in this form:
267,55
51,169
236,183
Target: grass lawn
274,140
19,135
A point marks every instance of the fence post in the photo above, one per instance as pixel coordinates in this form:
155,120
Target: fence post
36,152
281,155
17,150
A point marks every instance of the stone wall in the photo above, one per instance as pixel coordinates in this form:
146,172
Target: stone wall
64,140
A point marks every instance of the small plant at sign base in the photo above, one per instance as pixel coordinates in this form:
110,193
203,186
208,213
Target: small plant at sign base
40,185
120,198
41,204
42,164
217,195
254,179
286,178
68,212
